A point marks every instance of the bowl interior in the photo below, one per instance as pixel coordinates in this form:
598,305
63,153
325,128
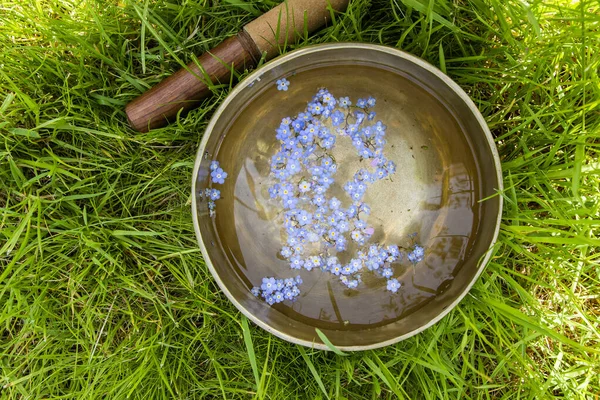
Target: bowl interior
447,164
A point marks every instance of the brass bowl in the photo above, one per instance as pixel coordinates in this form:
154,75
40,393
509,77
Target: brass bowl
448,165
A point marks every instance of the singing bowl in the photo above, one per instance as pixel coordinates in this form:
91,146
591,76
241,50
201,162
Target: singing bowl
445,189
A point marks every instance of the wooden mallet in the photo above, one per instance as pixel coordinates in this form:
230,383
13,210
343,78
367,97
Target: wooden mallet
265,35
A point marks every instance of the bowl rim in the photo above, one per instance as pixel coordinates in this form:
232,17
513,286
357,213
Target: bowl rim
304,51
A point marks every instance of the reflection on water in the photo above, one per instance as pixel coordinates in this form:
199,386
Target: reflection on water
434,192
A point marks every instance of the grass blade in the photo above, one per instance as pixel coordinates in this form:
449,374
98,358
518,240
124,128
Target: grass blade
328,343
250,349
313,370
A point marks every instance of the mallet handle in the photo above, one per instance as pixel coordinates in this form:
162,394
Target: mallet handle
184,90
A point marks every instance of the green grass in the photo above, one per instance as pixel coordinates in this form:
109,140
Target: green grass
103,293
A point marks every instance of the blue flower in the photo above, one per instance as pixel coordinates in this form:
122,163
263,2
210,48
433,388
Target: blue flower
326,181
365,152
379,143
351,211
282,84
335,269
286,190
387,273
340,243
356,265
371,116
337,117
313,130
316,172
390,166
315,262
315,108
308,151
286,252
343,226
345,102
393,250
298,280
331,261
350,186
304,187
416,255
381,173
306,138
292,240
333,234
309,264
293,167
371,101
328,99
328,142
358,143
360,224
214,165
326,163
334,203
296,262
298,124
270,300
283,133
278,159
319,200
255,291
274,191
380,127
268,285
282,174
361,103
298,249
296,154
393,285
364,208
357,236
372,265
215,194
360,117
318,189
304,218
319,214
290,203
346,269
356,195
352,284
305,116
288,293
290,143
373,250
280,284
278,297
218,175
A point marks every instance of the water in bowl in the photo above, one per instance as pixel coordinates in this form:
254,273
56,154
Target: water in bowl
435,192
